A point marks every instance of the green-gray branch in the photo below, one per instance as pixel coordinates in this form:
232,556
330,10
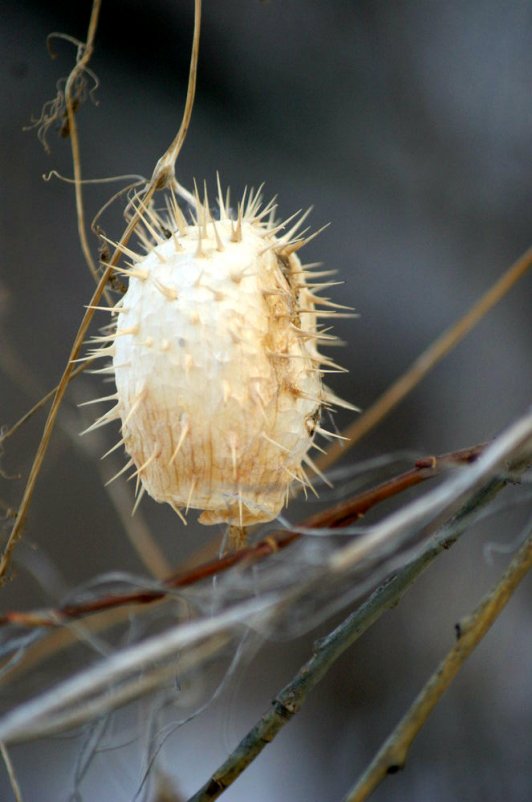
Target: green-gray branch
328,650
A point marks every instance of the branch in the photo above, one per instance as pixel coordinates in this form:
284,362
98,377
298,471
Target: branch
328,649
15,787
42,448
141,667
340,515
393,753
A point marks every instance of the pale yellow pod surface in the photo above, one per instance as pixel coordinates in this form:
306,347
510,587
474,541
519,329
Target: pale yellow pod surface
217,372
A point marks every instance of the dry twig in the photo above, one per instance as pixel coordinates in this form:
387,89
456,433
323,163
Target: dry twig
328,649
333,518
84,56
15,787
391,757
160,177
143,666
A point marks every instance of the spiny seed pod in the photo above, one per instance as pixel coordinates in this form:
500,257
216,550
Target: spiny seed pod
214,354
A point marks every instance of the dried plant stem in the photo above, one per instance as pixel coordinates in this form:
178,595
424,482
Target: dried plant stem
137,668
84,56
328,649
154,184
135,527
16,532
392,755
290,699
164,173
108,611
427,360
335,517
15,787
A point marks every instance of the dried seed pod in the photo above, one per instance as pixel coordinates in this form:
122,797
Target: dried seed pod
216,364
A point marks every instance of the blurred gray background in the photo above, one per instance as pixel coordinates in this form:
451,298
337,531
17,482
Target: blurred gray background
408,126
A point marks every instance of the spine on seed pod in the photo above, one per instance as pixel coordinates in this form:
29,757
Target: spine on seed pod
214,351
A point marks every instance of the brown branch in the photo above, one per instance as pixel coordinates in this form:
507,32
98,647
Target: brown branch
340,515
350,511
133,671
